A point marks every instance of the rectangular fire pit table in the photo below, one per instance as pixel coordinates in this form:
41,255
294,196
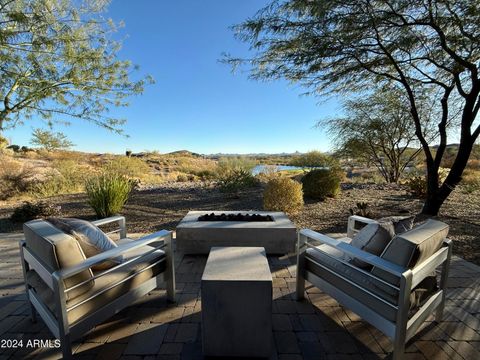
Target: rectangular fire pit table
236,294
198,237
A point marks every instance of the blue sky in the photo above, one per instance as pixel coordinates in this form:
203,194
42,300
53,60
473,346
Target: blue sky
197,103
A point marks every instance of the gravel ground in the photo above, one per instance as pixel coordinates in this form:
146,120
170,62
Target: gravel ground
152,209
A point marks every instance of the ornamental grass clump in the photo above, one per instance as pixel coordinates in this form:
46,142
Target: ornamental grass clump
108,192
283,194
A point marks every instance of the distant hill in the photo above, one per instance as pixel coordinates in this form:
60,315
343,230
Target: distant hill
184,153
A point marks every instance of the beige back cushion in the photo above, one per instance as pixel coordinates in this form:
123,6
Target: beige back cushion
57,250
412,247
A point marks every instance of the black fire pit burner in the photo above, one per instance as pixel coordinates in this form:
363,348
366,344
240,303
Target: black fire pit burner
235,217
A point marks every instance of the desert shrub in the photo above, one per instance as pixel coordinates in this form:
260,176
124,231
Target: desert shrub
29,211
361,209
283,194
313,159
66,177
3,142
236,180
204,169
470,181
321,183
131,167
228,164
206,174
235,173
108,192
14,177
418,183
269,172
15,148
182,178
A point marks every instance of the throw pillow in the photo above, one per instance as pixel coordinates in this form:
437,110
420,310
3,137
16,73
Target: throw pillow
92,240
373,238
400,223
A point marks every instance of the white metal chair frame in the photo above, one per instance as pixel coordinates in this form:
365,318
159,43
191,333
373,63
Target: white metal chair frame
58,323
404,328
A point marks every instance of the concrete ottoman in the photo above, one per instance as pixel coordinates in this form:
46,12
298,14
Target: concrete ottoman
237,303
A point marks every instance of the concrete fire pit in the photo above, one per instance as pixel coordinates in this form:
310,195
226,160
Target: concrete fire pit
197,237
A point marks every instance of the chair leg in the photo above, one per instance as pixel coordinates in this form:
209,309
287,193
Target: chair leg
170,290
66,347
300,288
399,345
33,313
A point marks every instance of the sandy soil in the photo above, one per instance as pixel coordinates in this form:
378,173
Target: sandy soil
163,207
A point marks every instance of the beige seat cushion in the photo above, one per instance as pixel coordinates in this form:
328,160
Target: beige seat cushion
57,250
412,247
107,280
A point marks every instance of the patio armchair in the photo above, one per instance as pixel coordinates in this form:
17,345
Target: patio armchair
397,292
70,296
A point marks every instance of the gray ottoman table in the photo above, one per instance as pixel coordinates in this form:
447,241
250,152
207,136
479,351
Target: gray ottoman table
236,293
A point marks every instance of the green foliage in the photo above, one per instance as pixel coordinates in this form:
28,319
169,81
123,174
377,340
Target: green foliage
108,192
283,194
418,183
352,47
130,167
236,180
50,140
376,129
361,209
313,159
66,177
29,211
228,164
321,183
59,57
235,173
182,178
14,147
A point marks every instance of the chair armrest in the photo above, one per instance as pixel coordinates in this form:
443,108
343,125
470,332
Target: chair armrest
429,266
121,223
352,220
110,254
371,259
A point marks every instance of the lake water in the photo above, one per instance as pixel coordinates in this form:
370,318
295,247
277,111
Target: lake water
264,168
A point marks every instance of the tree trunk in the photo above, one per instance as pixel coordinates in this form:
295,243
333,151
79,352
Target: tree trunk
436,196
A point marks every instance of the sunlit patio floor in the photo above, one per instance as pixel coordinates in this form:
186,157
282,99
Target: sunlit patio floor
317,328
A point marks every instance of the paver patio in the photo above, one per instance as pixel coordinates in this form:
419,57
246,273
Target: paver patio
317,328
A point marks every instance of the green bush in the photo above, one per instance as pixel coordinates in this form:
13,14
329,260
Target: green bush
66,177
283,194
418,183
131,167
182,178
29,211
321,183
236,180
108,192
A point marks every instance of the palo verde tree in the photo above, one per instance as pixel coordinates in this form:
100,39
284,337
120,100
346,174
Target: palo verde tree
50,140
347,46
57,57
376,129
